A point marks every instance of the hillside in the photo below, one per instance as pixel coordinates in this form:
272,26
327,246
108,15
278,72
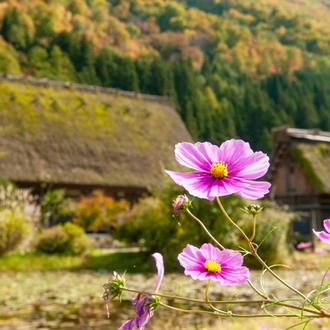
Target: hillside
214,57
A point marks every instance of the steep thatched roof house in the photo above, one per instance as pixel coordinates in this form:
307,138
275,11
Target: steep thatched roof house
85,137
300,174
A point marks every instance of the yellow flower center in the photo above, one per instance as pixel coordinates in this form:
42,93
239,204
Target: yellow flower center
219,170
212,266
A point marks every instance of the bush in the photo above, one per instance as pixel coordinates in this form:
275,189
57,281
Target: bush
52,240
55,207
14,228
68,239
78,242
98,210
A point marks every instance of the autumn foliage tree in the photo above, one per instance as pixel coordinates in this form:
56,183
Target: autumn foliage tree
98,211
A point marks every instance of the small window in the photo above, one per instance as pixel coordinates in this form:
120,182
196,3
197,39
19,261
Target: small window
291,181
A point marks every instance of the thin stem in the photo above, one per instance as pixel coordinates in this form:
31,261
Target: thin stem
232,302
205,229
256,290
231,315
233,223
195,311
253,227
208,300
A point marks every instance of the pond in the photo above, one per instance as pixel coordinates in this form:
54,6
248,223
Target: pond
73,300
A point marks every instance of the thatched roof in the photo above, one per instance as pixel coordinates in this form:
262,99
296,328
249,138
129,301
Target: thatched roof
310,148
314,158
70,134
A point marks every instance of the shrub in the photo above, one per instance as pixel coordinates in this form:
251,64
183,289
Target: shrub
55,207
98,211
68,239
78,242
52,240
14,227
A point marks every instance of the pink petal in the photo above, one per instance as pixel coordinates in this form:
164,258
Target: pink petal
160,269
323,236
195,274
252,167
225,187
255,190
209,150
196,183
233,276
326,224
189,155
191,257
210,252
231,258
232,150
179,177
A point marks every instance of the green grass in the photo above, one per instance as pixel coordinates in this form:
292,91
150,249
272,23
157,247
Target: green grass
133,262
38,261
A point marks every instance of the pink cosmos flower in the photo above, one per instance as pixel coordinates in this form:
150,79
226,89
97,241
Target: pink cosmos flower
209,262
144,303
221,171
324,235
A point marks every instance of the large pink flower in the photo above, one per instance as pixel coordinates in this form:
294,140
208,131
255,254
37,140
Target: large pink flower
209,262
221,171
324,235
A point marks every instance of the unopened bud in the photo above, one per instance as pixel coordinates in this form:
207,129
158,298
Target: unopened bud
252,209
182,202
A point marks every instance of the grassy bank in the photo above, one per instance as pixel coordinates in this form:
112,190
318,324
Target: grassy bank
132,262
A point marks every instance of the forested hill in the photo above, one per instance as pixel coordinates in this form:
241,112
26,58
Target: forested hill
235,68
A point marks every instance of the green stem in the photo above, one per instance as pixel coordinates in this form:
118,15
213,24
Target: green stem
253,228
232,302
231,315
233,223
205,229
208,300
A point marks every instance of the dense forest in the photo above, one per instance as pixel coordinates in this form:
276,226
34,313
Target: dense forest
234,68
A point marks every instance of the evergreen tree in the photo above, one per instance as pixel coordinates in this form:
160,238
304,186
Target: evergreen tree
38,62
106,67
61,67
16,29
126,77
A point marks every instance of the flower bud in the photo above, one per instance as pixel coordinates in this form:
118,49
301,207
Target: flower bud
252,209
182,202
114,287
